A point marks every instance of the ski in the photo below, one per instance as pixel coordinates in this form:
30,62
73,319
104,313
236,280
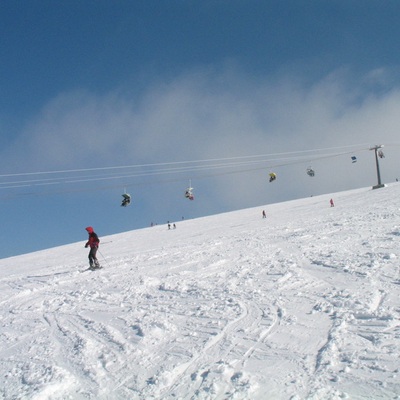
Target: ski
92,269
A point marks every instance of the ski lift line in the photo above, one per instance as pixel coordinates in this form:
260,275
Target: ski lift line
99,188
83,178
132,184
258,168
95,179
263,168
157,182
141,174
108,187
201,167
49,180
171,163
152,173
164,171
14,186
168,171
187,168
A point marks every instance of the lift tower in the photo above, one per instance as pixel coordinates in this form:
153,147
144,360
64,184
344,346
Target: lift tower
378,173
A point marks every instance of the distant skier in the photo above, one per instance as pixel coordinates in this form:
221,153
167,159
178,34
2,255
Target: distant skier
93,243
331,202
263,214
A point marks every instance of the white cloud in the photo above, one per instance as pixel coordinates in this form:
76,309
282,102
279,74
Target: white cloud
204,115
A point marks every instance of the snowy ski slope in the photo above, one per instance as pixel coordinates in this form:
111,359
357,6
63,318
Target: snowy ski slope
303,304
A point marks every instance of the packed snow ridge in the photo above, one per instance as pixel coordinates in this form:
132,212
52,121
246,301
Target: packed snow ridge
302,304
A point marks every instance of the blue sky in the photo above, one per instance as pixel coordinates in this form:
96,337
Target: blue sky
170,89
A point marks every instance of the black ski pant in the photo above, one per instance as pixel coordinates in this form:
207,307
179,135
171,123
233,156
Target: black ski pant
92,256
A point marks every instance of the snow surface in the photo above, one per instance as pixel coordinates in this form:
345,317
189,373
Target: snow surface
301,305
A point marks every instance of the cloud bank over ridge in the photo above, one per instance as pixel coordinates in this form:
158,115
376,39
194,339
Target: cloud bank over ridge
206,114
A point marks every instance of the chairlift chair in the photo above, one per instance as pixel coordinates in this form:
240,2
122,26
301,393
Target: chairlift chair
126,200
189,193
310,172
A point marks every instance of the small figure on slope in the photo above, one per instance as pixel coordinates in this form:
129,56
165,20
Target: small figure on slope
332,203
93,243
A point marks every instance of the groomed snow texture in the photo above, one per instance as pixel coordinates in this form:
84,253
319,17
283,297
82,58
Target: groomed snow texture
304,304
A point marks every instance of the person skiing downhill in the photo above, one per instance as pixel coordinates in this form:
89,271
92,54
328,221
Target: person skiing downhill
93,243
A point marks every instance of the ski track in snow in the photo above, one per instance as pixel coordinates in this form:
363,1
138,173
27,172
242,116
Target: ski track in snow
301,305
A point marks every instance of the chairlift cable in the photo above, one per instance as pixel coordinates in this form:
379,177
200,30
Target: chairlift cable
171,163
173,168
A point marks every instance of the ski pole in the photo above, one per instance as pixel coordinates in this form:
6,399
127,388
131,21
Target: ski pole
103,257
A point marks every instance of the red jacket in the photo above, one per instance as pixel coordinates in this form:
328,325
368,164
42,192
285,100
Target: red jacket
93,238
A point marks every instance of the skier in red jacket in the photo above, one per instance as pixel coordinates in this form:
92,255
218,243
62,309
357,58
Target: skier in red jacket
93,243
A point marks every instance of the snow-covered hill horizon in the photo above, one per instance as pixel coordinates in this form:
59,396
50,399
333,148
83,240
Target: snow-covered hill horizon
302,304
